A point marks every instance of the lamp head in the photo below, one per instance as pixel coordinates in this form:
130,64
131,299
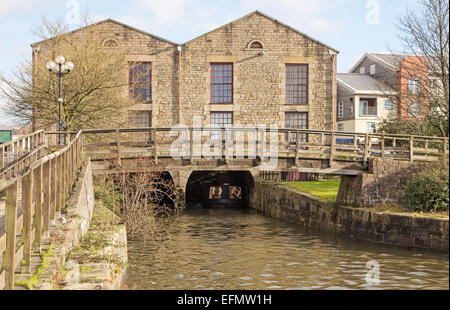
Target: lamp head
50,65
69,66
60,59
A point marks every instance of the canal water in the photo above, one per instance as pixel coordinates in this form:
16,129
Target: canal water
243,249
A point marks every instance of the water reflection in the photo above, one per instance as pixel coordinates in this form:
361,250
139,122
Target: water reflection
242,249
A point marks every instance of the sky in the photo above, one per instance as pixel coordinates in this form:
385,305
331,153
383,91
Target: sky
353,27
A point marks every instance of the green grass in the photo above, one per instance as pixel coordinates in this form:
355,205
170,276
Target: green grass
324,190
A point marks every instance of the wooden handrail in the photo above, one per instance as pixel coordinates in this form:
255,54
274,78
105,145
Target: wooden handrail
50,179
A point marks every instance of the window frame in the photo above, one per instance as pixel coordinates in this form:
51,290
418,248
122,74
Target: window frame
340,127
291,137
287,84
215,135
391,105
414,88
341,109
361,110
131,83
211,83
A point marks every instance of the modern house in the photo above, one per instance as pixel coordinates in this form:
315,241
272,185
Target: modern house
363,102
406,74
254,70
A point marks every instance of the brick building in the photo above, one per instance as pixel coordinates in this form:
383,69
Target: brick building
254,70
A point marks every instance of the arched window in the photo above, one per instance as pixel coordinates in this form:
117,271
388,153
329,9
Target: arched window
110,43
256,44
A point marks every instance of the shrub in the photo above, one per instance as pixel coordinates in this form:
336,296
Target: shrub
427,191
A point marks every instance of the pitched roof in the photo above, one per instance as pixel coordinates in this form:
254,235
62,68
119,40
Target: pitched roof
116,22
390,61
363,84
272,19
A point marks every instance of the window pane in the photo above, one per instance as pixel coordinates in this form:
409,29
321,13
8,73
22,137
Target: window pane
140,81
221,83
297,120
296,84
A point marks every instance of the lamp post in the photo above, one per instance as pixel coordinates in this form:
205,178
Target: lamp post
60,68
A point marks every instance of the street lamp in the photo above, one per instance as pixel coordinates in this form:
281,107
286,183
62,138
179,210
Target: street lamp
60,68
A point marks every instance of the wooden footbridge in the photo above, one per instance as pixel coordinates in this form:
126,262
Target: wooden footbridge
37,176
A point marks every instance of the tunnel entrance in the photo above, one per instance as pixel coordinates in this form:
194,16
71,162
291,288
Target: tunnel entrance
219,188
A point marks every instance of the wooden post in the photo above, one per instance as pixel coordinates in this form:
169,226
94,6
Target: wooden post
46,192
225,143
191,145
382,145
27,184
37,186
62,180
119,161
2,156
297,141
155,146
411,148
262,145
58,184
332,148
10,230
445,150
52,204
366,150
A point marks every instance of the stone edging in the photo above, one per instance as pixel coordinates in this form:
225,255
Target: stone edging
379,227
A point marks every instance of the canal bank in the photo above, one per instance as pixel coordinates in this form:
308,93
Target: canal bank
283,202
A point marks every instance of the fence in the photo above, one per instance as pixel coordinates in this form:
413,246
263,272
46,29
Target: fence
19,153
298,144
32,201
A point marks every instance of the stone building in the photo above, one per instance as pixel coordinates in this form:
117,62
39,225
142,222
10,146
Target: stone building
252,71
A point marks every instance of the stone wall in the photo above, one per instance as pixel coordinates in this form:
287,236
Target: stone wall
258,83
385,183
258,80
393,229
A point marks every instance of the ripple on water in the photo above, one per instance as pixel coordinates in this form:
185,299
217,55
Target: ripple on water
247,248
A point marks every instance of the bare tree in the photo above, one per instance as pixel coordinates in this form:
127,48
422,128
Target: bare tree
93,93
424,34
144,201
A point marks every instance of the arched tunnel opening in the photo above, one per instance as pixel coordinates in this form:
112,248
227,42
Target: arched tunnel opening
219,188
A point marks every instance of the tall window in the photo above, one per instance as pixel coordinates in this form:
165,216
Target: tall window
341,109
220,119
140,119
297,120
297,84
368,107
140,81
221,83
414,86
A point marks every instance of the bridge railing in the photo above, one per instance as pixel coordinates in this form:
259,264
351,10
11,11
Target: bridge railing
17,154
229,143
32,202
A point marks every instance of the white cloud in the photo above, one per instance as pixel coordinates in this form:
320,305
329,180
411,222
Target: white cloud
12,6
